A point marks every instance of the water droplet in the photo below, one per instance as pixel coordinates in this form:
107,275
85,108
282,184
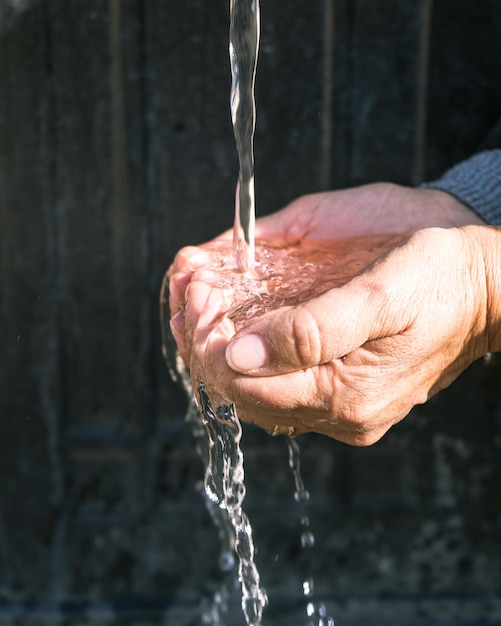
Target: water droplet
307,539
226,561
321,610
305,521
302,496
319,613
308,587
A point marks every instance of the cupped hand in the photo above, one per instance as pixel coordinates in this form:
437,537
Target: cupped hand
366,210
370,209
354,361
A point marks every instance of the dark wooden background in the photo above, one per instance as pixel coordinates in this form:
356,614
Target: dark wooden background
115,150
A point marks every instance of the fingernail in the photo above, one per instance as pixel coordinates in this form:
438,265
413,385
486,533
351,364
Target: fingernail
247,353
180,280
177,323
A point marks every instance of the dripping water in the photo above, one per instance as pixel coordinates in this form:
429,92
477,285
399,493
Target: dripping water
283,276
213,612
224,485
224,475
316,611
217,431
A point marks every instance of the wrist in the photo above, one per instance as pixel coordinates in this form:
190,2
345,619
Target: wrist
492,256
453,212
487,246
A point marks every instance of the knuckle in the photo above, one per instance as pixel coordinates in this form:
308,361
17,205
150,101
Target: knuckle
306,337
378,293
183,255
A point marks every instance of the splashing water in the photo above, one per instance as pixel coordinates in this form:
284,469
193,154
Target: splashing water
282,274
285,274
224,476
217,437
224,485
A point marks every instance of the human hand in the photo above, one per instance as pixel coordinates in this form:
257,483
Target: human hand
351,363
366,210
370,209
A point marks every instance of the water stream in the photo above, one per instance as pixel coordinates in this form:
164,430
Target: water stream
277,275
243,48
283,275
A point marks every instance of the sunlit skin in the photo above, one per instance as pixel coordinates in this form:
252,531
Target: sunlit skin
352,362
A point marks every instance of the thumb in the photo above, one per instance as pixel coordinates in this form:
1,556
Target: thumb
315,332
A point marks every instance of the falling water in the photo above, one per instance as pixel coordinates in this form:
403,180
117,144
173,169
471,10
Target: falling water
315,610
217,435
224,485
244,44
283,275
224,476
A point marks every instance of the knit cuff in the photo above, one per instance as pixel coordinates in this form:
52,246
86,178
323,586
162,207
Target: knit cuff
477,183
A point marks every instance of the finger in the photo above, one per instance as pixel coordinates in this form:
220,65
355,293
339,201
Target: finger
292,222
178,283
206,304
325,328
177,327
189,259
186,309
305,401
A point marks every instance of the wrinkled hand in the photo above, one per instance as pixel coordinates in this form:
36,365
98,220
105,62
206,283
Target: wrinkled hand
350,363
354,361
369,209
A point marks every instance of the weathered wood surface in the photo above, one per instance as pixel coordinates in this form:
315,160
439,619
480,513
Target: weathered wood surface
115,150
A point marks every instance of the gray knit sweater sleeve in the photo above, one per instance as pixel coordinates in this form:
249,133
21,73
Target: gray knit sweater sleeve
477,183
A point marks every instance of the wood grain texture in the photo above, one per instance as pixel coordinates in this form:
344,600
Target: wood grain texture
116,149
